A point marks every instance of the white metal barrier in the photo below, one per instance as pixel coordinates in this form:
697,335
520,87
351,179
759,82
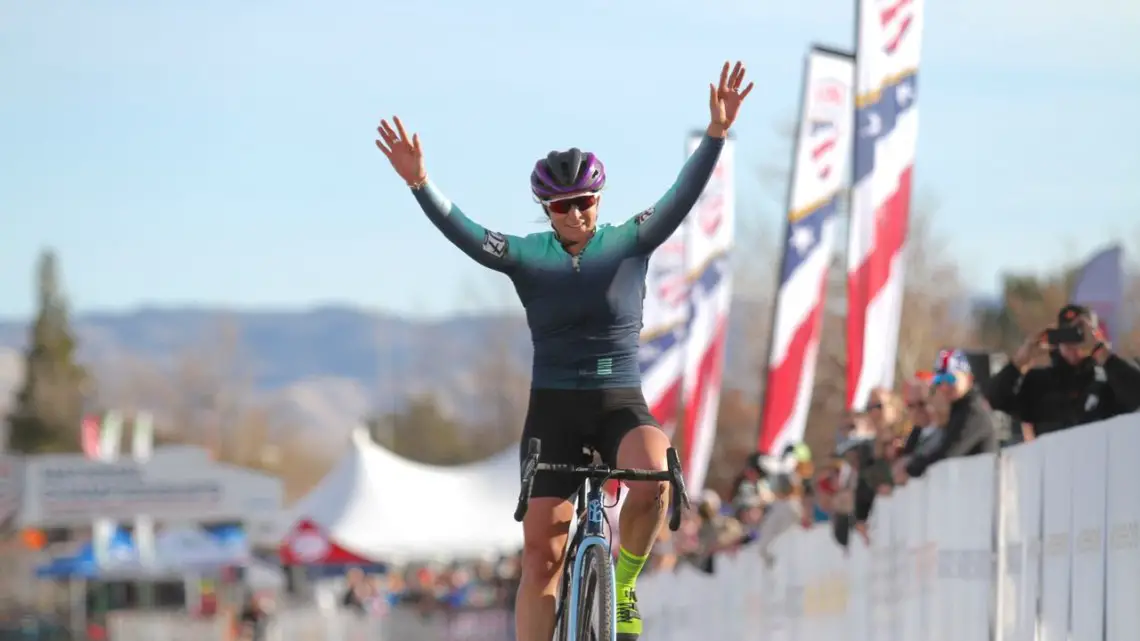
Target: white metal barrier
314,624
1039,543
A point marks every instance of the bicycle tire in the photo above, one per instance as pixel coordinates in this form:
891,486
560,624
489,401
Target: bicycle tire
594,590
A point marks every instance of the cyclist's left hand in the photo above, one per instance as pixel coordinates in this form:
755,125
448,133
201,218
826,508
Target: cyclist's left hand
725,99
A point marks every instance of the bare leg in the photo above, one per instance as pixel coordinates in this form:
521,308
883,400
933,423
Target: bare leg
545,529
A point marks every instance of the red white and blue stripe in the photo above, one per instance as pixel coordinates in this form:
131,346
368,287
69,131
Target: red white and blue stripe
819,174
709,243
886,131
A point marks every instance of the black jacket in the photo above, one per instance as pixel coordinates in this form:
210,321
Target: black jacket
1062,395
969,430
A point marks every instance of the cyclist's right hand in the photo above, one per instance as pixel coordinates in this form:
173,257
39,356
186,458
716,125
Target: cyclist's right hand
405,154
1034,348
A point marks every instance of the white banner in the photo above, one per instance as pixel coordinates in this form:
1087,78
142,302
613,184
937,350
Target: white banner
1019,544
1057,527
64,490
1122,580
1054,523
1088,493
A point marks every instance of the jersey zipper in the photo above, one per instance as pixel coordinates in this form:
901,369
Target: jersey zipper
576,259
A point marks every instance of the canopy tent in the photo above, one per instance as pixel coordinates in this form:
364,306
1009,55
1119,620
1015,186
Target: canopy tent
381,507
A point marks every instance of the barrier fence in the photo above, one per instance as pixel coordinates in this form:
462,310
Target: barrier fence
1039,543
313,624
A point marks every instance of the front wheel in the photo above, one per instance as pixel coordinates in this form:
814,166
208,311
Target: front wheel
595,596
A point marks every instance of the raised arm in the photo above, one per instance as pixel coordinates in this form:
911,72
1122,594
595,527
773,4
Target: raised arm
488,248
656,224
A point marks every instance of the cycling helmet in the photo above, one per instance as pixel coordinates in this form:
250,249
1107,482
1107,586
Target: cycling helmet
563,173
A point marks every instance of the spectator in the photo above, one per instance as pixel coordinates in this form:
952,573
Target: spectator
1083,382
715,532
253,618
749,513
883,413
916,393
784,512
846,480
750,483
359,595
968,427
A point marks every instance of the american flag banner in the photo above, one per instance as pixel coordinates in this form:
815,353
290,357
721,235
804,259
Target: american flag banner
1100,287
820,170
889,39
661,355
664,320
711,227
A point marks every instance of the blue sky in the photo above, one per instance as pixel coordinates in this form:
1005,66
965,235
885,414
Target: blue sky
220,152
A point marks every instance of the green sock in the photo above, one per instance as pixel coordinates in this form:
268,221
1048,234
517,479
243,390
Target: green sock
628,567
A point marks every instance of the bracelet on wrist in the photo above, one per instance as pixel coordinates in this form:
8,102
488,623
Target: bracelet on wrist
420,184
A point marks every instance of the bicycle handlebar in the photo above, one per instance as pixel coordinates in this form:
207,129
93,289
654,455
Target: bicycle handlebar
679,499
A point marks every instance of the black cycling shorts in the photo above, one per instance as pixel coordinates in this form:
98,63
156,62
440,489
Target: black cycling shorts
566,421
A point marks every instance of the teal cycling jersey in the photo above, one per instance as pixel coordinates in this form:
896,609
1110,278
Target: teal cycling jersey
584,311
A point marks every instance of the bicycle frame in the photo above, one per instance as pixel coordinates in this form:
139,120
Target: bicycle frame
590,532
591,519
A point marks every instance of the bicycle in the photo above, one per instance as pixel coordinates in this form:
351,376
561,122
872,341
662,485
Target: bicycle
588,570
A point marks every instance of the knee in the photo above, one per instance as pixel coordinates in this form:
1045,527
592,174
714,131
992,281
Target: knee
542,558
644,448
647,494
544,545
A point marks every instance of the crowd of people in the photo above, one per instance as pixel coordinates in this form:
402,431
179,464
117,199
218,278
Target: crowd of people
1062,377
1053,382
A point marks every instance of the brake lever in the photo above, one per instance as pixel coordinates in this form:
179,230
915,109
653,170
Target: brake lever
680,498
529,470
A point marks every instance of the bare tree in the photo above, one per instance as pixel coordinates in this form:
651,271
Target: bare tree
935,311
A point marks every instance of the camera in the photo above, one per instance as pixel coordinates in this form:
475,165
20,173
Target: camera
1066,335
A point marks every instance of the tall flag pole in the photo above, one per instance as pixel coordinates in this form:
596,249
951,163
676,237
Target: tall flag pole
888,46
820,173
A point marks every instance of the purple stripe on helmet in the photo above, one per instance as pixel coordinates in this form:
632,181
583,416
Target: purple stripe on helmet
593,177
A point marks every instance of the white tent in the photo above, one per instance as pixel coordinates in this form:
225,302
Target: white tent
382,507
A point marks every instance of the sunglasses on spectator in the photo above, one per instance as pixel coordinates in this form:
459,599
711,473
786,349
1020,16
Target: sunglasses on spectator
564,205
947,378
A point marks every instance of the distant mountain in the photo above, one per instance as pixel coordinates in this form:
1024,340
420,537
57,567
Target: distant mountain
327,367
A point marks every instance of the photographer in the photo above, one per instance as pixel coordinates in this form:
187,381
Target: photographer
1083,382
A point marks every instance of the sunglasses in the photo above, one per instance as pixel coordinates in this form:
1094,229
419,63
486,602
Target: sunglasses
564,205
947,378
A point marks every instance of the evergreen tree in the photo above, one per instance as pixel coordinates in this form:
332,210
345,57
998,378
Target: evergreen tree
49,405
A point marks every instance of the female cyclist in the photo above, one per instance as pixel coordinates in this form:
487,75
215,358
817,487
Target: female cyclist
582,286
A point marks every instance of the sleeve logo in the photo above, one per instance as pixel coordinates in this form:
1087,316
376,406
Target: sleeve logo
644,216
495,244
